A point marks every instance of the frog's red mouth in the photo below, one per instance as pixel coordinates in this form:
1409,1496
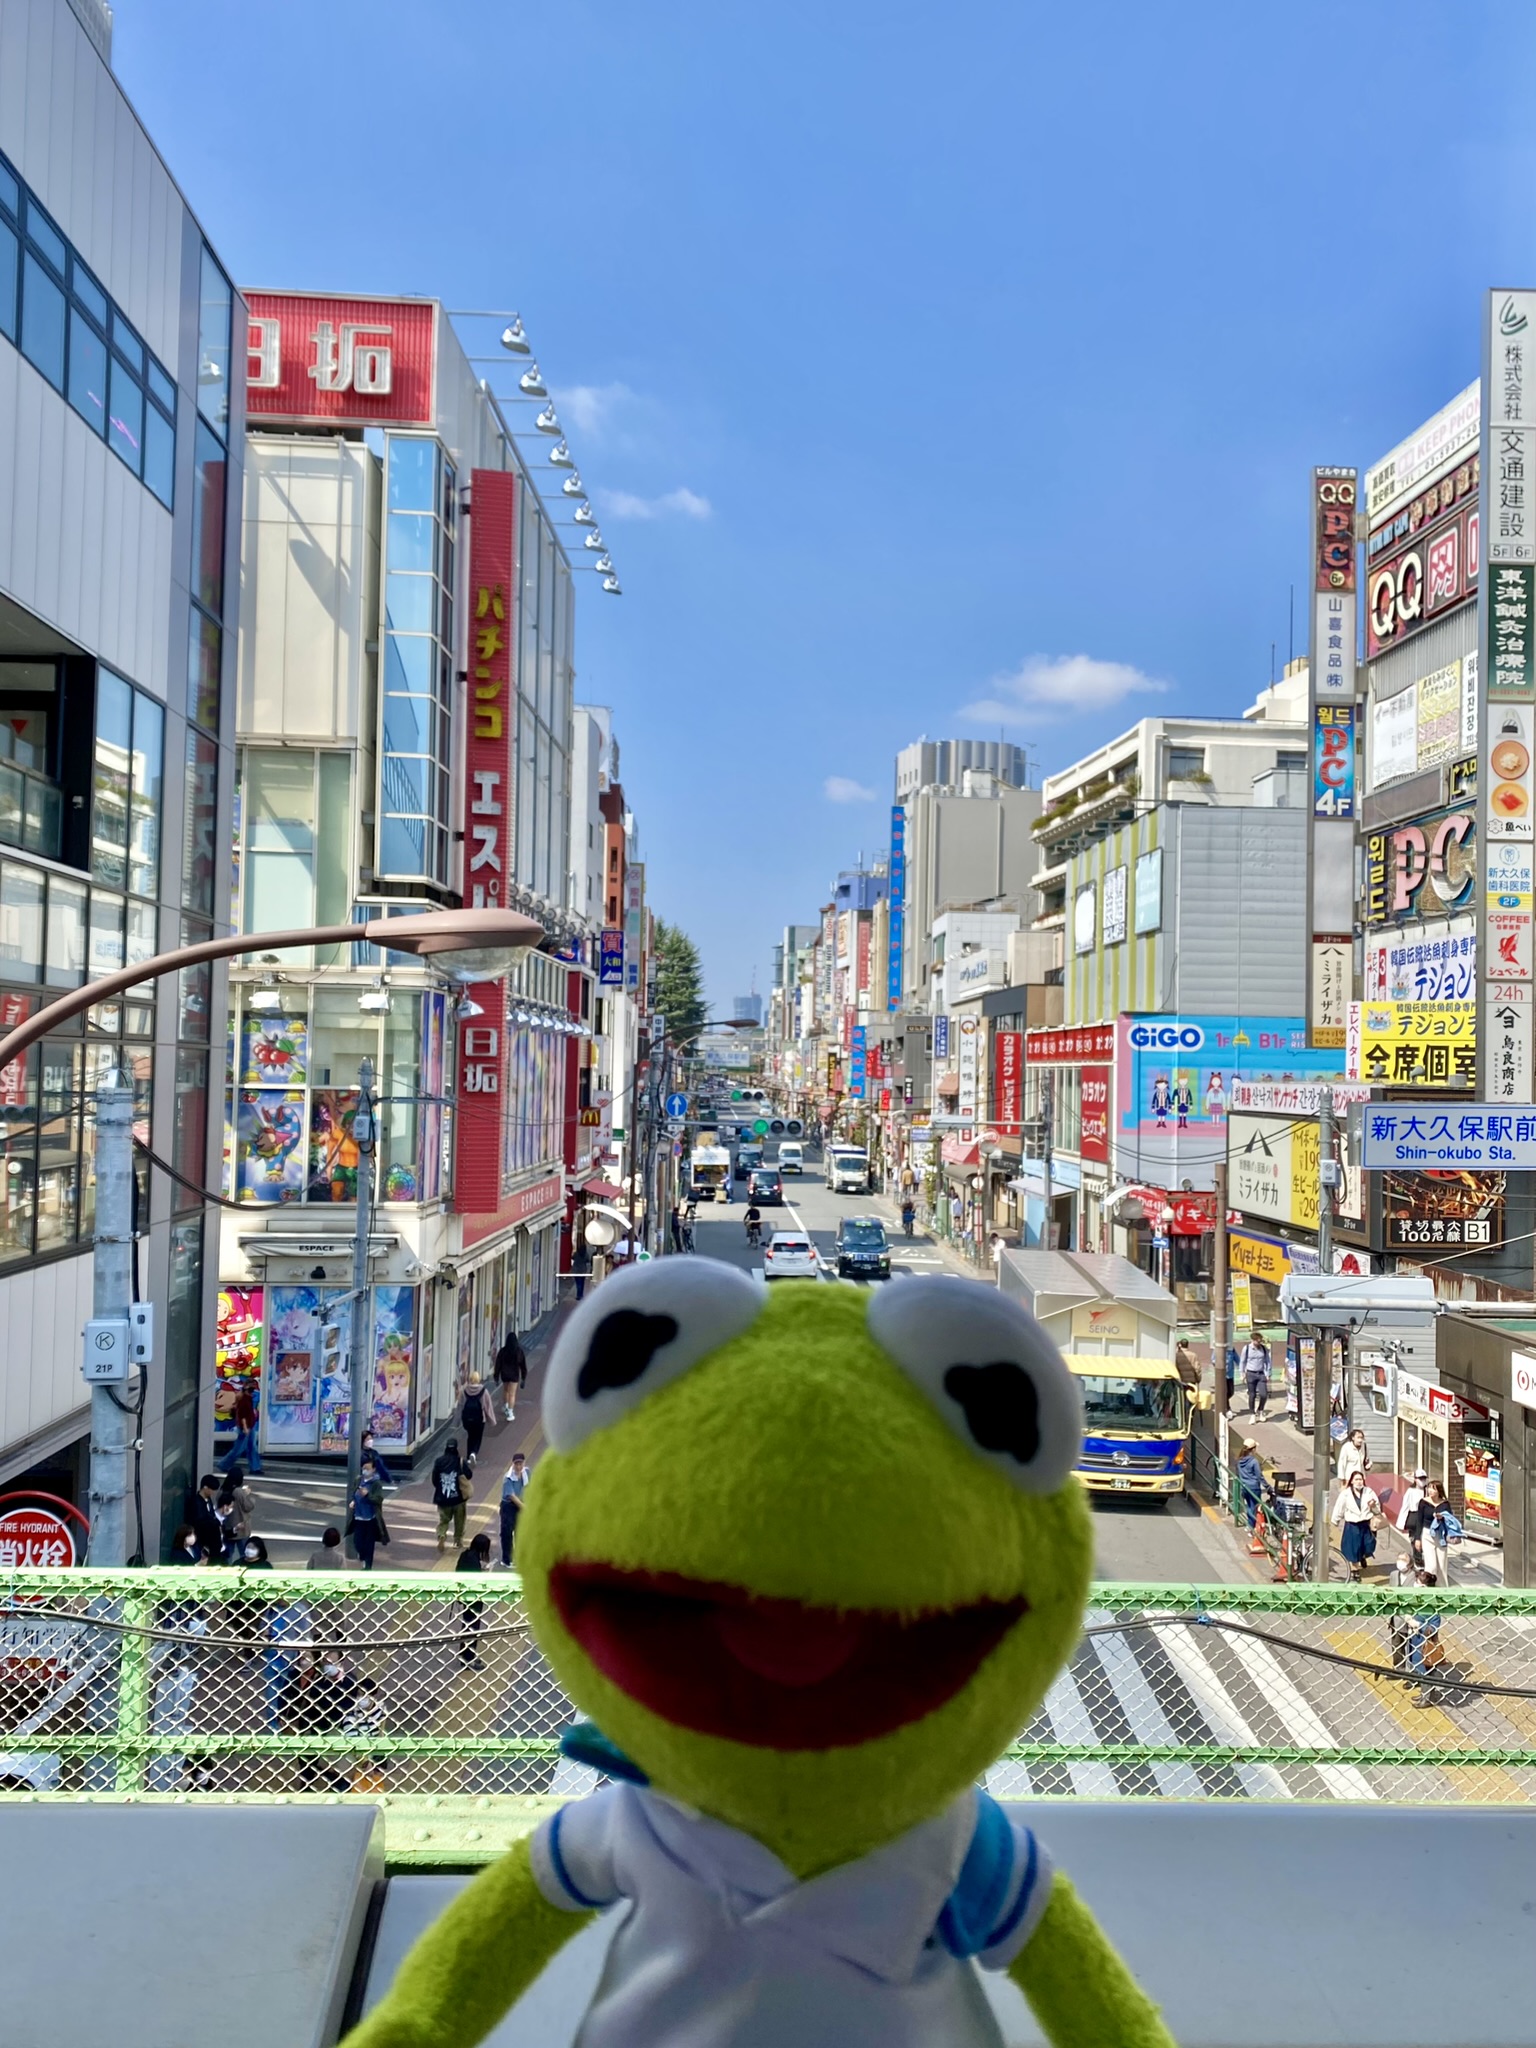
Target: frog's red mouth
775,1673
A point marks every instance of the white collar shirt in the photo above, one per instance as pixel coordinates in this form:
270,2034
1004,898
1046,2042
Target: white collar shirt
723,1947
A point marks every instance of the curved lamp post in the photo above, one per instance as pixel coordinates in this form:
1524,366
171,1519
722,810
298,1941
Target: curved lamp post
466,945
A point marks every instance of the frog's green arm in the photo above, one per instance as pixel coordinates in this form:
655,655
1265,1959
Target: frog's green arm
1077,1986
461,1976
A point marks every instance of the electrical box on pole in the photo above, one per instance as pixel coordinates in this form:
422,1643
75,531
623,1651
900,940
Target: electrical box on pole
141,1332
105,1360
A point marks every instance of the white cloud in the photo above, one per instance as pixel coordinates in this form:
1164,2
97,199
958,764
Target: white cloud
626,505
589,409
1046,687
842,789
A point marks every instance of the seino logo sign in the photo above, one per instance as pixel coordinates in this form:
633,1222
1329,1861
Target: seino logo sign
1167,1037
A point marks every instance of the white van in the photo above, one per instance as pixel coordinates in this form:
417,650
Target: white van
791,1157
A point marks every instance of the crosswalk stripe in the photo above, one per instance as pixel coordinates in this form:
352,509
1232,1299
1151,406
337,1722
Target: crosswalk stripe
1148,1721
1226,1722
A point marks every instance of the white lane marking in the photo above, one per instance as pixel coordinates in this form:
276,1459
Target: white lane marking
1224,1718
1142,1709
1072,1722
1300,1717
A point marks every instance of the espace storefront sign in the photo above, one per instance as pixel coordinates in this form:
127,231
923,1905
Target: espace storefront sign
350,362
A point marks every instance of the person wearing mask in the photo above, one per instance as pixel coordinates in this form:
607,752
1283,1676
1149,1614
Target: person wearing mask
1358,1509
475,1414
206,1519
245,1450
327,1557
476,1558
236,1505
365,1523
371,1450
513,1488
1250,1477
450,1494
511,1369
252,1555
1255,1362
1353,1456
185,1548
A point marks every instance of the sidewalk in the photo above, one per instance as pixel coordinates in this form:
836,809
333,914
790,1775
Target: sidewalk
293,1505
923,1249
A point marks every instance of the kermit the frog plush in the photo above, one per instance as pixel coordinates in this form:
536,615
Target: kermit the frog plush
809,1557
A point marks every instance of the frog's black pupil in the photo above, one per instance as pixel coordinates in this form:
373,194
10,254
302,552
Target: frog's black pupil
1002,1409
622,1346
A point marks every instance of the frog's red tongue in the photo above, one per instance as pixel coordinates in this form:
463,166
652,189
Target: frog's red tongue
791,1644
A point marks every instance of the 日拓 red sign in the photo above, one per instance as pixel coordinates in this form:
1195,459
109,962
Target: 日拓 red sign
350,362
1065,1045
487,826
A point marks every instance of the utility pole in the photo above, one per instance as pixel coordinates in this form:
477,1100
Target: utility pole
1322,1381
359,1321
1220,1334
113,1420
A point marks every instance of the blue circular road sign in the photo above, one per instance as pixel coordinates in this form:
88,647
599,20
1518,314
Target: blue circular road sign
677,1105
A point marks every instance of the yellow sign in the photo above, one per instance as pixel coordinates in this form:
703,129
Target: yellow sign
1242,1307
1420,1045
1252,1255
1111,1320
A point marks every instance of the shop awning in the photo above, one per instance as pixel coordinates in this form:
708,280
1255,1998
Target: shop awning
956,1152
602,1191
948,1084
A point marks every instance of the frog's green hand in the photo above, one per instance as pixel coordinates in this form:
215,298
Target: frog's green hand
473,1963
1077,1986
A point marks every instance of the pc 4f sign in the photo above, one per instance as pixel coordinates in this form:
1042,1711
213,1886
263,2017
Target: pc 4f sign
1425,1137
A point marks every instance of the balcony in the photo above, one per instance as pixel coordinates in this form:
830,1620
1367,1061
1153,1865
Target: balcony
1081,818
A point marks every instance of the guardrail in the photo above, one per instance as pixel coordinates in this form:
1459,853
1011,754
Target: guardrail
429,1694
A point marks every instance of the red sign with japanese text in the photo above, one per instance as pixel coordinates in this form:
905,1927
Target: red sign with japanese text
487,828
1065,1045
1093,1133
1008,1082
353,362
14,1009
33,1537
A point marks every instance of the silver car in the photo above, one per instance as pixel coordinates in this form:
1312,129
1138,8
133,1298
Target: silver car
790,1256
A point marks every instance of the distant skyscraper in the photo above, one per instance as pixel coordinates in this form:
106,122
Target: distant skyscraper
939,764
749,1006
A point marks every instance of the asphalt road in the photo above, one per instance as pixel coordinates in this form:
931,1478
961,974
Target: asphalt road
1173,1543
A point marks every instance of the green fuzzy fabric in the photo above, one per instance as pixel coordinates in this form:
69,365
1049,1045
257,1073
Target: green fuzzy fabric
464,1974
1078,1988
800,1462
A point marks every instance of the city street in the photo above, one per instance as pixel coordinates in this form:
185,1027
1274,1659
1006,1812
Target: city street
1136,1540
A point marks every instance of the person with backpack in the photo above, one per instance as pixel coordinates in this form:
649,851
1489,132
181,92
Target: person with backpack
478,1411
511,1370
450,1494
1438,1530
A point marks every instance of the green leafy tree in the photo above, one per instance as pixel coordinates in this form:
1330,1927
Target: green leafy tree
679,983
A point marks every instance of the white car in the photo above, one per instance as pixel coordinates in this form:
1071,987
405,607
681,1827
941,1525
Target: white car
791,1157
790,1256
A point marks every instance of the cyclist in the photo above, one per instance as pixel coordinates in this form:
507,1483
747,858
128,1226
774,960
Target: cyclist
908,1214
754,1225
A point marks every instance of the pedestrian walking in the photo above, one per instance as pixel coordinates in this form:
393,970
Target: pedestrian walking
1438,1530
1232,1360
371,1450
327,1556
245,1450
206,1519
1410,1516
676,1226
476,1558
365,1521
450,1494
1353,1456
476,1414
1358,1509
511,1369
1255,1363
513,1488
581,1267
1187,1366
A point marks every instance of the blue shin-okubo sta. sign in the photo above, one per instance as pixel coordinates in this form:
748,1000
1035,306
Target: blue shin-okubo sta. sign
1429,1136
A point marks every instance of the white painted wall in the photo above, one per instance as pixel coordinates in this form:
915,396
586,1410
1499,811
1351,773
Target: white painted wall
43,1313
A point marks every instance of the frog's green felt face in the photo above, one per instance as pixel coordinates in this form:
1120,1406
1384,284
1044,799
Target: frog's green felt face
810,1555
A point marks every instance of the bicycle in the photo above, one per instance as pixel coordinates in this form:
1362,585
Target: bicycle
754,1235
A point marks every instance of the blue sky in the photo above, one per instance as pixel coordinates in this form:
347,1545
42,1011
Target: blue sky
907,353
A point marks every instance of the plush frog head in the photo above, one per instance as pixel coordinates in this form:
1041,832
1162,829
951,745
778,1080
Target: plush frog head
810,1556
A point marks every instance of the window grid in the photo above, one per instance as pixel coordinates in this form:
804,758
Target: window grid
416,700
72,333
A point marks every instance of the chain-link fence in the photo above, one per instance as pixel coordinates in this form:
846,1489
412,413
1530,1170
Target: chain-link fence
223,1683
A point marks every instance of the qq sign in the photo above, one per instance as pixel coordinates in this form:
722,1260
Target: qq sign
1522,1378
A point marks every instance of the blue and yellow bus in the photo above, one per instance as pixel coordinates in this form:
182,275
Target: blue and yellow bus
1137,1416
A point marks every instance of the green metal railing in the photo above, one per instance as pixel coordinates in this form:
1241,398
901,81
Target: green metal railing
429,1695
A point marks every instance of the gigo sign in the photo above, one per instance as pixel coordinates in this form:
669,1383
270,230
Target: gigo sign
1166,1037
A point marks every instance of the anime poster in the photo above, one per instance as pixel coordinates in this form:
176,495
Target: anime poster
1173,1087
237,1346
394,1330
332,1148
294,1338
269,1137
275,1053
335,1377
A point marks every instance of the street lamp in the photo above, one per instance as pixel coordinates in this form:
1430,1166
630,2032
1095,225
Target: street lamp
465,945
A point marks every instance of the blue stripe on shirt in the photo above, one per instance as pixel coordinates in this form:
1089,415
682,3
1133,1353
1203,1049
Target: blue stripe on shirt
558,1861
